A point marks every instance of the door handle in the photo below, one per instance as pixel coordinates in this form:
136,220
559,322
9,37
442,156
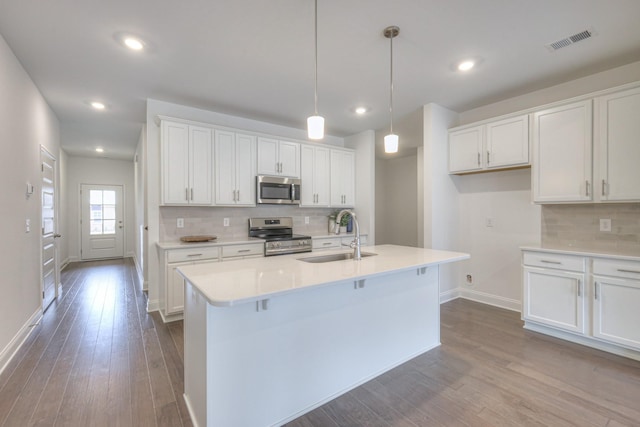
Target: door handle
55,236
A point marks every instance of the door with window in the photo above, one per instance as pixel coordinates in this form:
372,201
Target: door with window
102,225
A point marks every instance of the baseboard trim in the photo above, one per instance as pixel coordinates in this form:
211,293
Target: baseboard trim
449,295
64,264
14,345
153,305
494,300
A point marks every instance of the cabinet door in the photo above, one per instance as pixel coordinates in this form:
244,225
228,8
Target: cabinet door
342,178
619,146
307,176
245,160
174,141
554,298
268,162
562,170
175,290
200,165
322,176
465,148
225,167
507,142
615,311
289,155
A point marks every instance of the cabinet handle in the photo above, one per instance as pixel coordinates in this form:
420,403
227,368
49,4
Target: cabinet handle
327,244
603,187
488,157
629,271
194,255
244,250
587,186
579,288
186,194
192,194
595,289
238,199
551,262
478,158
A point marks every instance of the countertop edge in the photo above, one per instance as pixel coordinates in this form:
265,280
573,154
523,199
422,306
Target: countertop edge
585,253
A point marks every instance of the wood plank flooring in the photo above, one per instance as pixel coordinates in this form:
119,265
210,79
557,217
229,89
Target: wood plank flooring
98,359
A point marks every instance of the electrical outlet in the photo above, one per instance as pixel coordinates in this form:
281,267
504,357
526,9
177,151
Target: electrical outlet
225,222
469,279
605,224
180,223
28,225
306,220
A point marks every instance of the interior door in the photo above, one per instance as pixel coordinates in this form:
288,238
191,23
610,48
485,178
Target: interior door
102,226
49,257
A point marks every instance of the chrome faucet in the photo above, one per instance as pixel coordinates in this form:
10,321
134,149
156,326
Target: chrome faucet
357,255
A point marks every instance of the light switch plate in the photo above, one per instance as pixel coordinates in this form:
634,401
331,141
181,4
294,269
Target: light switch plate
605,224
180,223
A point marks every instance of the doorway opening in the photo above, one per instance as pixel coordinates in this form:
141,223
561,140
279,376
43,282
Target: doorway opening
102,226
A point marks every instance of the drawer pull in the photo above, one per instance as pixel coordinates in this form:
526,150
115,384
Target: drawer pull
550,262
194,255
244,250
629,271
327,244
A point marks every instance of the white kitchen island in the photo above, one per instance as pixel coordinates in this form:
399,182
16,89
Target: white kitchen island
269,339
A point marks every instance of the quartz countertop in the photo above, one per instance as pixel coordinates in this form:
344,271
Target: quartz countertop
581,252
177,244
229,283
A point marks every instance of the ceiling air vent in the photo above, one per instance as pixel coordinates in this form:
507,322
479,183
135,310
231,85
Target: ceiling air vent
559,44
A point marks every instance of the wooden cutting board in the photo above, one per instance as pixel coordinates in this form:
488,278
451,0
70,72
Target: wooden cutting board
195,239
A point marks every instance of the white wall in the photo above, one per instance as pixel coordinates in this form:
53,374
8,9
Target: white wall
101,171
27,123
152,150
364,144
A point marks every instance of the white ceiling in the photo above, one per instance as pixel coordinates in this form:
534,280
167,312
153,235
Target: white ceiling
254,58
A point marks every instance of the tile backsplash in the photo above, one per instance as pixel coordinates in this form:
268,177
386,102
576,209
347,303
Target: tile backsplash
209,220
578,227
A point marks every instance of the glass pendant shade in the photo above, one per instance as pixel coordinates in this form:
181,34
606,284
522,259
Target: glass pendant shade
315,127
391,143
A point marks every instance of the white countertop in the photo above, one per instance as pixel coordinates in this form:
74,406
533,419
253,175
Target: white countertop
177,244
581,253
229,283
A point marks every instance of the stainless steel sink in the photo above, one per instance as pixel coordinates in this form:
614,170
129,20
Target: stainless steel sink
333,257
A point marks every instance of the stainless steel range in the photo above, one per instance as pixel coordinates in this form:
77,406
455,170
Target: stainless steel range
278,235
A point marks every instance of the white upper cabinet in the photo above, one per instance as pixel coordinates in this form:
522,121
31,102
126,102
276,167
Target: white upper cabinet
187,164
618,146
315,164
280,158
499,144
342,178
562,140
235,158
465,148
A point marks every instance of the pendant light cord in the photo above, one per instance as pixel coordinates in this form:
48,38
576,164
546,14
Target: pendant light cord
315,91
391,85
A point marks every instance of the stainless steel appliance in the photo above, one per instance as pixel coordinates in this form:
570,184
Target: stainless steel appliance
277,190
278,235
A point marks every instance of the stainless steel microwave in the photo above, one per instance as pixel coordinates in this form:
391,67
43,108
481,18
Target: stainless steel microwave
277,190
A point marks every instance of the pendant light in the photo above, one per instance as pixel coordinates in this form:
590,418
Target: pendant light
391,140
315,123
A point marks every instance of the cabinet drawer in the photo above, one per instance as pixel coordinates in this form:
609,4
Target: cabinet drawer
195,254
331,243
617,268
555,261
243,250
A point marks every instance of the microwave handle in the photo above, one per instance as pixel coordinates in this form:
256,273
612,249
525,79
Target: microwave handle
293,193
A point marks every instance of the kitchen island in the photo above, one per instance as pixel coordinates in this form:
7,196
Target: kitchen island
269,339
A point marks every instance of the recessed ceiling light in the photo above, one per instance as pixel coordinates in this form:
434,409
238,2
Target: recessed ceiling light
466,65
133,43
361,110
98,105
100,150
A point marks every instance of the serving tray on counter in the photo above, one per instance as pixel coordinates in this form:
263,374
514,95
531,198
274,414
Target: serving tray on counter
197,239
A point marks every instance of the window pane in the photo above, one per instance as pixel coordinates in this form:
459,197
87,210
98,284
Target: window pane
96,227
95,197
110,226
109,212
96,212
109,197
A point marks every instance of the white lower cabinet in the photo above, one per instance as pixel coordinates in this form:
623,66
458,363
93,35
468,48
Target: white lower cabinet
251,250
554,295
592,300
616,302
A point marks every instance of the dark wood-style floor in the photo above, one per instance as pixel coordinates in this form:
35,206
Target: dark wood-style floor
98,359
